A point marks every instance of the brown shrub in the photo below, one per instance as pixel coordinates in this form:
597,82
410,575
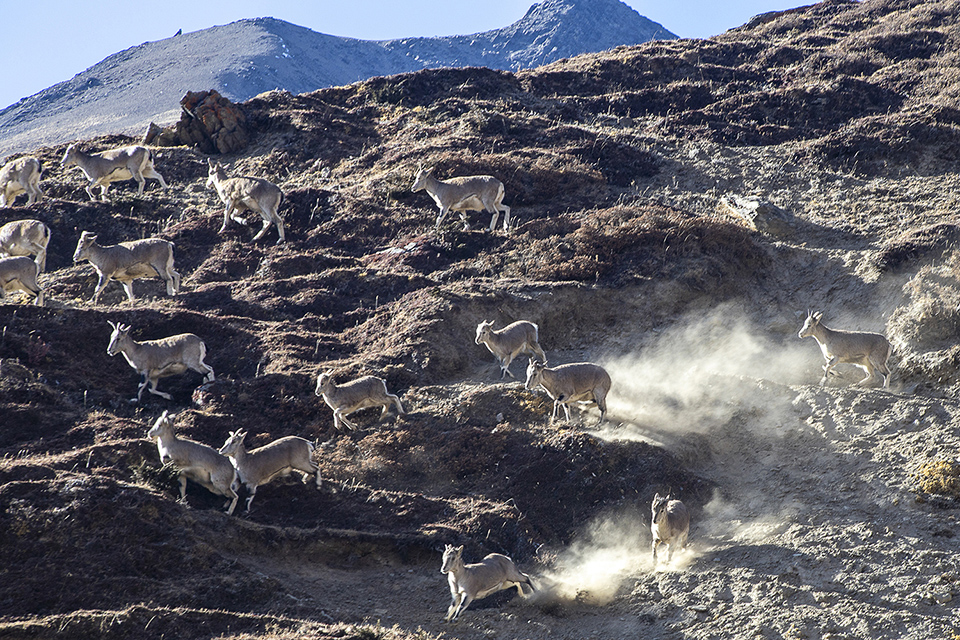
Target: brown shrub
625,243
924,330
939,477
916,244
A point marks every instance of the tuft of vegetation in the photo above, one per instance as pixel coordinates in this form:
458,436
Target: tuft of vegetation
939,477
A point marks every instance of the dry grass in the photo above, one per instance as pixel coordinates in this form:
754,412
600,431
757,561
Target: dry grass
924,329
626,243
939,477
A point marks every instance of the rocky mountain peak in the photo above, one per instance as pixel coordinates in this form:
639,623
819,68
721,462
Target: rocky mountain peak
128,90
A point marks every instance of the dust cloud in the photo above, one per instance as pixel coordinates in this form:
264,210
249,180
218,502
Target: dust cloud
593,567
747,522
702,377
611,550
696,375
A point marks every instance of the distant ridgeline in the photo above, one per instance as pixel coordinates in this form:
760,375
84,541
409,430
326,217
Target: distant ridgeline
128,90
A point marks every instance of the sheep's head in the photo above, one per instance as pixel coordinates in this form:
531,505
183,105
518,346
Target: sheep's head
659,506
811,323
535,373
484,329
323,382
451,556
162,424
86,241
233,443
69,156
117,338
215,173
420,182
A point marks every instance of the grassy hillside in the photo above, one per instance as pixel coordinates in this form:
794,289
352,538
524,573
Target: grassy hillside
815,509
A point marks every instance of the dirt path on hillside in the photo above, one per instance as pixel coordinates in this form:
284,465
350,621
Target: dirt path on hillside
812,534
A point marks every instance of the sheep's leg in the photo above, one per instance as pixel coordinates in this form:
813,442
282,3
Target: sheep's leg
339,418
885,372
101,285
253,492
465,601
164,271
226,217
312,471
41,259
128,288
493,219
232,501
454,604
831,363
601,400
151,172
505,367
89,190
205,370
306,474
153,389
871,375
17,285
263,229
275,217
396,401
443,214
140,182
176,280
537,351
566,410
655,544
143,385
506,216
183,487
34,192
104,187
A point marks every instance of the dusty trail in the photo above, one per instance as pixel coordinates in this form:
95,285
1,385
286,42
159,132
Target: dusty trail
811,534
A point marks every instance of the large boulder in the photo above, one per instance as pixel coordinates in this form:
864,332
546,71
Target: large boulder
208,122
212,123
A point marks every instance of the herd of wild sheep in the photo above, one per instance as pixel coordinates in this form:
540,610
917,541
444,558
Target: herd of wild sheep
223,471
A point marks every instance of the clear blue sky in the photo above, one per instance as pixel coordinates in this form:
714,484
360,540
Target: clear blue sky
49,41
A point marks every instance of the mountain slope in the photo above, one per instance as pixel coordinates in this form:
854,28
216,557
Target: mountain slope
129,89
818,512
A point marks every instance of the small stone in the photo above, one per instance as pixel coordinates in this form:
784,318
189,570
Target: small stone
757,214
